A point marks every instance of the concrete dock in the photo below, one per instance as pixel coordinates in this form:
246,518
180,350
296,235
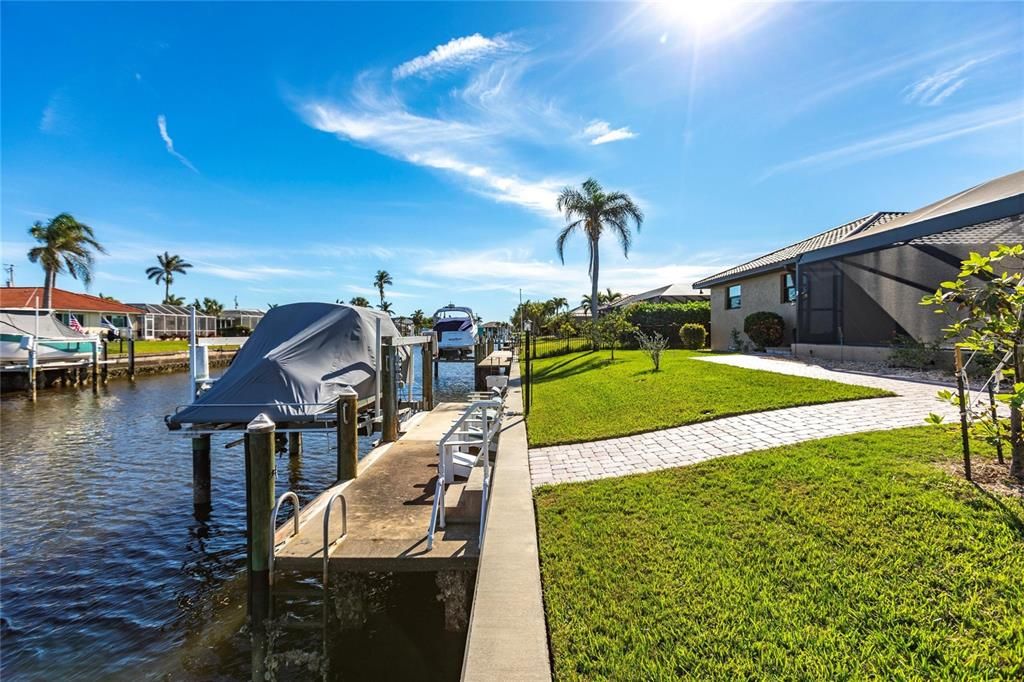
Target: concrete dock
389,506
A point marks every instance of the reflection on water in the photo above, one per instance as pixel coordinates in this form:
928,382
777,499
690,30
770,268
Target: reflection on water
106,574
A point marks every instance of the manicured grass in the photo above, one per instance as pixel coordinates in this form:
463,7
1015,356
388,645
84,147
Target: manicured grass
581,396
146,347
848,558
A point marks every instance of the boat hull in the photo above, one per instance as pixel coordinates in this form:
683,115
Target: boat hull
55,350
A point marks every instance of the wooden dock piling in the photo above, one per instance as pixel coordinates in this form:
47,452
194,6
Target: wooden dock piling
95,364
131,358
201,475
32,361
389,393
426,358
348,434
294,445
104,371
260,473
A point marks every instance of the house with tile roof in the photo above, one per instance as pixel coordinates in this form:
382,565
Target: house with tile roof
90,311
851,291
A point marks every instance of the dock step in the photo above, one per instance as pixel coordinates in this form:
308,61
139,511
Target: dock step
468,498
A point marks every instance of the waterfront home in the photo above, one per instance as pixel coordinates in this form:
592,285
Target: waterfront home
853,290
240,317
93,314
162,321
670,293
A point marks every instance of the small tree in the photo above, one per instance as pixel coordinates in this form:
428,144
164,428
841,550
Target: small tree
611,328
654,345
693,335
764,329
988,310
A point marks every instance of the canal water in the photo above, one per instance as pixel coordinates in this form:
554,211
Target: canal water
108,575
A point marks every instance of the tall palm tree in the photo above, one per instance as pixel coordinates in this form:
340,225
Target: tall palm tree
592,210
385,306
383,279
360,301
419,319
212,306
171,299
560,302
65,245
165,272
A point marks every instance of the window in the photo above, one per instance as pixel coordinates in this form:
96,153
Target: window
732,297
788,287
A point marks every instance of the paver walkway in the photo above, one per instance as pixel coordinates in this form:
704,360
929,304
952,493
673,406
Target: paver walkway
694,443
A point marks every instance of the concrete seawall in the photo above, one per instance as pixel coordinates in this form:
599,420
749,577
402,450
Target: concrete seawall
507,638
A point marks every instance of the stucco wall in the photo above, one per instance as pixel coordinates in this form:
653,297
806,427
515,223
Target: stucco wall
760,293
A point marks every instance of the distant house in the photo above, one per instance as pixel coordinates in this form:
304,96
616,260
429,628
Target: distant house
670,293
240,317
161,321
95,315
849,292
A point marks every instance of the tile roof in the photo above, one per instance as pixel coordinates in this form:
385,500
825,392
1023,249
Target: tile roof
788,254
1008,230
680,293
26,297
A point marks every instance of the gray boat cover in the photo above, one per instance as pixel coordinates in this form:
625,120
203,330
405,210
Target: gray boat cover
294,365
23,322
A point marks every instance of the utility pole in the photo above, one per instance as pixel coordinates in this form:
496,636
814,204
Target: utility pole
9,269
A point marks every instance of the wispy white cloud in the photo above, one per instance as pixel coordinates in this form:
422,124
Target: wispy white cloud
457,147
601,132
456,53
161,123
55,118
934,89
910,137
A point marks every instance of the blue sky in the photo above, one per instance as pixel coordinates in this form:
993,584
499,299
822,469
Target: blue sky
290,151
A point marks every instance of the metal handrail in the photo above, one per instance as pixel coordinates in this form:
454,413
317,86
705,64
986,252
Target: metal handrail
327,527
273,527
437,510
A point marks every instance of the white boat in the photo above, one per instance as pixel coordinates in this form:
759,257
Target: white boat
456,330
54,340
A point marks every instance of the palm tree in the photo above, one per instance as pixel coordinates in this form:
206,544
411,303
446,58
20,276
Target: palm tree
65,245
385,306
419,319
165,272
560,302
212,306
610,296
360,301
592,211
383,279
171,299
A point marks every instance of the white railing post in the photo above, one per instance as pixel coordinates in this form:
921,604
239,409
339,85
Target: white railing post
192,353
378,363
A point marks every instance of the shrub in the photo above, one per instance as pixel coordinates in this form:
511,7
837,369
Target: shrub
909,352
693,335
654,345
764,329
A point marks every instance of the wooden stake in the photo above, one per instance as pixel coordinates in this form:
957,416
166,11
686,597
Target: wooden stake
995,418
32,361
95,363
104,372
348,434
964,436
131,358
294,444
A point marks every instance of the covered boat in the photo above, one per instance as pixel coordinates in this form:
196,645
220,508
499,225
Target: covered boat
55,341
455,327
295,365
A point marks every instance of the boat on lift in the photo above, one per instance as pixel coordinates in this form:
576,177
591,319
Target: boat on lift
456,331
54,341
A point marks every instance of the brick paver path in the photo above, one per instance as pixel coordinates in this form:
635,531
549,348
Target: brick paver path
694,443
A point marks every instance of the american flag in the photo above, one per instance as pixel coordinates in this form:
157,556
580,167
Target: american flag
73,323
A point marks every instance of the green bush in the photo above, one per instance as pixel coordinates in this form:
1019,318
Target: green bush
693,335
764,329
668,318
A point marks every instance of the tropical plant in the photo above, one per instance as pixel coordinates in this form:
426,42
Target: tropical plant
609,296
165,271
381,280
360,301
209,306
65,245
419,320
693,335
107,298
611,328
592,211
667,318
987,312
171,299
764,329
385,306
559,302
654,345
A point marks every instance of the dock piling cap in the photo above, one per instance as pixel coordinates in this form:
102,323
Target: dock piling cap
260,424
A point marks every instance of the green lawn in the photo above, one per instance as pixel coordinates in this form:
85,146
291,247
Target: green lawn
848,558
147,347
580,396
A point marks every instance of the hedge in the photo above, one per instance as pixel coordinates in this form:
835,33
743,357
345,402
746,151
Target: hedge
668,318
